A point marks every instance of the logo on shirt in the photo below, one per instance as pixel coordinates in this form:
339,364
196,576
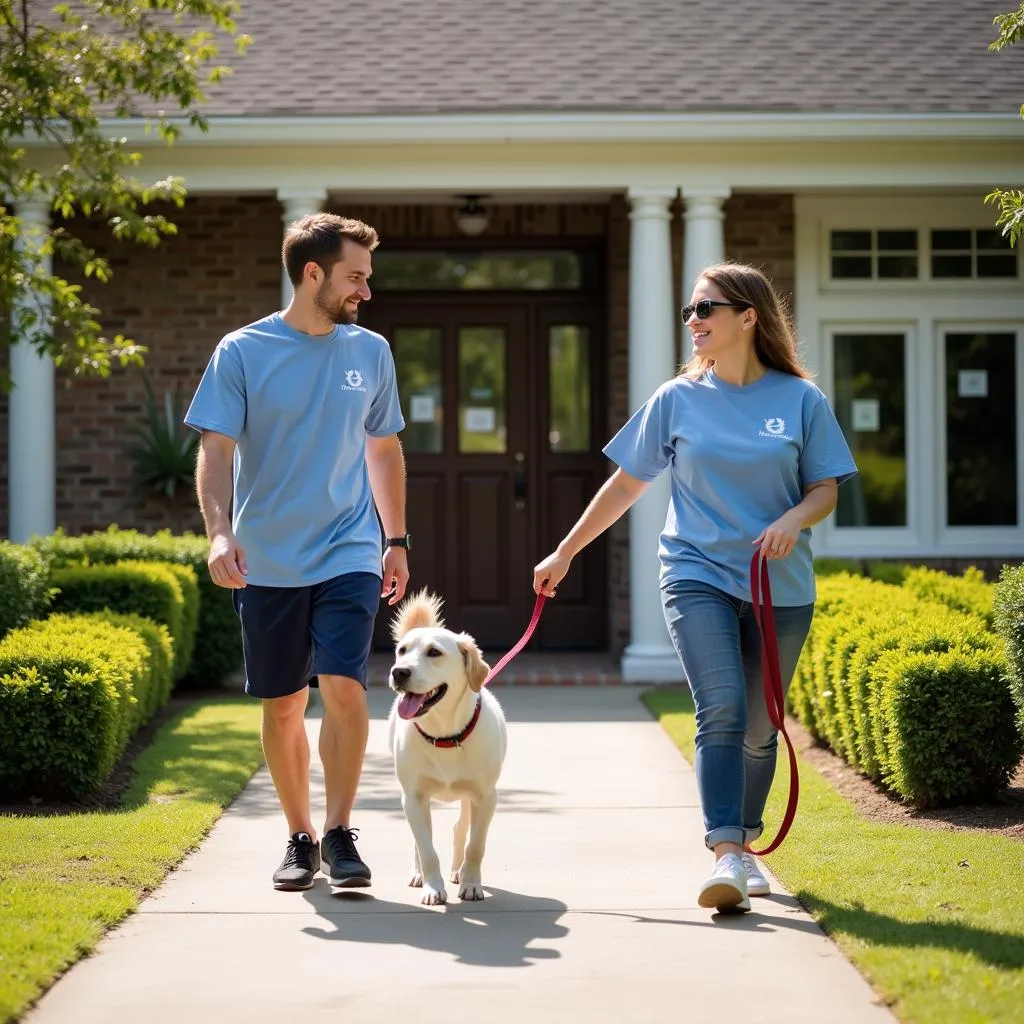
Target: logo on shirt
775,426
353,381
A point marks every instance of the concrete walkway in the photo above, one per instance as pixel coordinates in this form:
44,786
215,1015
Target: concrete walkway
592,867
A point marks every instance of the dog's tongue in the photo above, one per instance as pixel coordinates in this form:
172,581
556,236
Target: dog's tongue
410,705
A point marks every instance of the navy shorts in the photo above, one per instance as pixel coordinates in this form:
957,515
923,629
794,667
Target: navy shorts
290,635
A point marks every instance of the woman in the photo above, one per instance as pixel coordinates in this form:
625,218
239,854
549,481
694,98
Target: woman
756,457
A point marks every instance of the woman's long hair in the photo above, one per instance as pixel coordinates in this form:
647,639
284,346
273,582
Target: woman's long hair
774,339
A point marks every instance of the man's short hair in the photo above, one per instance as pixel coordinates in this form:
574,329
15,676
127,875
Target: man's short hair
319,238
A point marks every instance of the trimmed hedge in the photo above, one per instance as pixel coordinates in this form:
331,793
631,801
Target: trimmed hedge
218,644
969,593
158,591
68,703
910,692
24,586
1008,610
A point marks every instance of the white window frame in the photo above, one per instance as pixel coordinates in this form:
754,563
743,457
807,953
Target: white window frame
921,309
967,537
907,213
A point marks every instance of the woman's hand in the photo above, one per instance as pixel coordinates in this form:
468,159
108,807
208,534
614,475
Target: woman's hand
779,539
549,573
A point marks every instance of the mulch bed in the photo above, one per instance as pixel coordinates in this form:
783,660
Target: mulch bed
1004,815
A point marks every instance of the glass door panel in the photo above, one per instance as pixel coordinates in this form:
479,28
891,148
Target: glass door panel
870,404
981,429
418,353
568,388
482,388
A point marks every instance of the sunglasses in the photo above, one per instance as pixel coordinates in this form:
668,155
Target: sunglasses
704,307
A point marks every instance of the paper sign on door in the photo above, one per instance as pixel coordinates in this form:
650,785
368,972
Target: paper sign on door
421,409
866,415
479,421
972,384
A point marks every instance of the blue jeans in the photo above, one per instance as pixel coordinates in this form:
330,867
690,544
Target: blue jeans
716,638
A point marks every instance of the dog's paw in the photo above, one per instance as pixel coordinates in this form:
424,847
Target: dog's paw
433,897
454,876
471,891
416,880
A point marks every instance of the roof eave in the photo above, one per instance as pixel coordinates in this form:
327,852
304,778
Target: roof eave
586,127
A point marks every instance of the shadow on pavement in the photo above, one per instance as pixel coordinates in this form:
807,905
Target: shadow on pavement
499,932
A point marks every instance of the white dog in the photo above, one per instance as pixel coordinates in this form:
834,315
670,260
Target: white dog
447,735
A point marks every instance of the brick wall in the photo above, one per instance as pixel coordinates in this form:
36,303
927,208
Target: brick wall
220,271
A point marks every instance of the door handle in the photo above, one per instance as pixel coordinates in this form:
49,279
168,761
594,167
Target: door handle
519,481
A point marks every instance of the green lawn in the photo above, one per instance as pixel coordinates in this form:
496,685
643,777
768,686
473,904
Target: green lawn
934,919
66,879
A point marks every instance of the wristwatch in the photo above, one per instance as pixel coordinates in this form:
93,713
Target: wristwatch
405,541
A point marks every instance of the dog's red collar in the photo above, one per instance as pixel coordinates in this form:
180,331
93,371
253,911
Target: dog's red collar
453,741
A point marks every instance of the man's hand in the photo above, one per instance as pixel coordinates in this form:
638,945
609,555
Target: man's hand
396,574
227,562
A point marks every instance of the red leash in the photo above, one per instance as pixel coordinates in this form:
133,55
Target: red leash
523,640
771,676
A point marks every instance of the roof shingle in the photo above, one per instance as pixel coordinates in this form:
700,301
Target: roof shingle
455,56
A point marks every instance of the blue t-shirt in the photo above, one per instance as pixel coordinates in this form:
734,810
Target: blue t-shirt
300,408
740,458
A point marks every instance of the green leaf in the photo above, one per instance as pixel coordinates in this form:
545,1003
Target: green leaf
67,65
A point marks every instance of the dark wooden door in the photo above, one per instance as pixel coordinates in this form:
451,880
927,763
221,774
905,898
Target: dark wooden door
499,462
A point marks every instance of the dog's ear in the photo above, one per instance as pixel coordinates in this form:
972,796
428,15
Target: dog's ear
476,667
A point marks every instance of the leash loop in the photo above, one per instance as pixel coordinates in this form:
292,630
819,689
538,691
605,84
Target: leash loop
771,678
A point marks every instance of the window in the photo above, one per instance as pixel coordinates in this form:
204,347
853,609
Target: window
555,269
873,255
971,253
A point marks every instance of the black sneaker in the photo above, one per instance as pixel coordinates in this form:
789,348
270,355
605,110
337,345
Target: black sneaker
300,865
342,864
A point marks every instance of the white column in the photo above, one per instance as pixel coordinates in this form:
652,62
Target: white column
297,203
703,237
31,482
649,657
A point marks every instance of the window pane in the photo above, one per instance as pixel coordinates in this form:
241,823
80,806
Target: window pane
981,430
905,241
870,389
850,267
951,266
482,389
417,353
569,388
991,264
947,240
992,239
851,241
897,266
478,271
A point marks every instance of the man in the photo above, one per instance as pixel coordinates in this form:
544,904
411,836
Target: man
299,416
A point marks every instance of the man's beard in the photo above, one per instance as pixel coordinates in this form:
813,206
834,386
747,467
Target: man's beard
336,313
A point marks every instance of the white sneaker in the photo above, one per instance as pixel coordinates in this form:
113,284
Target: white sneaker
726,889
757,884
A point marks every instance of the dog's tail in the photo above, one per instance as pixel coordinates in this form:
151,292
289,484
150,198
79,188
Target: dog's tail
416,611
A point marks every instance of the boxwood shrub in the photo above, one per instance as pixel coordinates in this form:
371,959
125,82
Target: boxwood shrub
164,593
68,702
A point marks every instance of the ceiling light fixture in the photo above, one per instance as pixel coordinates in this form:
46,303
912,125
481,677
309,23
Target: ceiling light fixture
472,217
